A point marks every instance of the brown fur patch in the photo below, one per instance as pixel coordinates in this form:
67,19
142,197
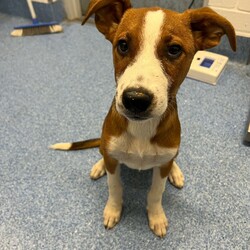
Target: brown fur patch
114,125
169,129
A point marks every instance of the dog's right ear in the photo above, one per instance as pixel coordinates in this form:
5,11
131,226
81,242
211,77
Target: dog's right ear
108,14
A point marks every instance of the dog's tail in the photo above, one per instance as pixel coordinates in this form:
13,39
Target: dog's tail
92,143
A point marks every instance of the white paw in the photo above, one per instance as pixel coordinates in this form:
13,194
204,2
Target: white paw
111,215
158,223
175,176
98,170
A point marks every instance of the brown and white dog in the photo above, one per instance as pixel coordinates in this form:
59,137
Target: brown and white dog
152,50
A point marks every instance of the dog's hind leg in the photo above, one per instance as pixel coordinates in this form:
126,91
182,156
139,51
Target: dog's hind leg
98,170
176,176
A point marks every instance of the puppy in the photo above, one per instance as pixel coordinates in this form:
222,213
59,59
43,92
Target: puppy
152,52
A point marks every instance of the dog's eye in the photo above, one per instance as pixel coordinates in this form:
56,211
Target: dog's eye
122,47
174,51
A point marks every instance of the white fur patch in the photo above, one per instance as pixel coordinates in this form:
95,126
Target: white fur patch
134,148
147,67
61,146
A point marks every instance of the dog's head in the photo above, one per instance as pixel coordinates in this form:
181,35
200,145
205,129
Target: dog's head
153,49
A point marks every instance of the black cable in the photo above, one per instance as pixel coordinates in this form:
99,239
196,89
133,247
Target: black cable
191,4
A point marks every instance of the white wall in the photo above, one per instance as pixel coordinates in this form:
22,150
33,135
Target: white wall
73,9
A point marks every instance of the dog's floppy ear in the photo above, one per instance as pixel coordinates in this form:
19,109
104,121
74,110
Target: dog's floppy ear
108,14
208,27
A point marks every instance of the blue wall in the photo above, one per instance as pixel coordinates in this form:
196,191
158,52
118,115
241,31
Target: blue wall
176,5
45,12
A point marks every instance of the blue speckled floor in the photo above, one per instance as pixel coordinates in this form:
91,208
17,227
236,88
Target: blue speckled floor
58,88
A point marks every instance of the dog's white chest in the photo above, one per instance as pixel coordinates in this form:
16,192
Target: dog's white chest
134,149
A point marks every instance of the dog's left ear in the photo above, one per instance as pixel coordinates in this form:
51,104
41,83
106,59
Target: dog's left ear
208,27
108,14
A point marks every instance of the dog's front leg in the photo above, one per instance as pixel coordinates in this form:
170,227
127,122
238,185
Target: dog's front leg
113,208
157,219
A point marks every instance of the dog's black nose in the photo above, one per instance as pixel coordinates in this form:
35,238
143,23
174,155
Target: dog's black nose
136,100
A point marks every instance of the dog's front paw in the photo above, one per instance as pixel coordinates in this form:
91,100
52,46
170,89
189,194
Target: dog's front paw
176,177
112,215
158,223
98,170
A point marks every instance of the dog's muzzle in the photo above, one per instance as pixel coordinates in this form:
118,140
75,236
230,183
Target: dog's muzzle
137,103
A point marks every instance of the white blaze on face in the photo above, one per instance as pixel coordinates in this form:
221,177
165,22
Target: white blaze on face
146,71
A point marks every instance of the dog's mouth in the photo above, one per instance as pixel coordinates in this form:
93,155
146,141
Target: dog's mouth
133,115
136,117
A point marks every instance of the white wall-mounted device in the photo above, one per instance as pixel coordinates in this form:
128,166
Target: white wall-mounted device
207,67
